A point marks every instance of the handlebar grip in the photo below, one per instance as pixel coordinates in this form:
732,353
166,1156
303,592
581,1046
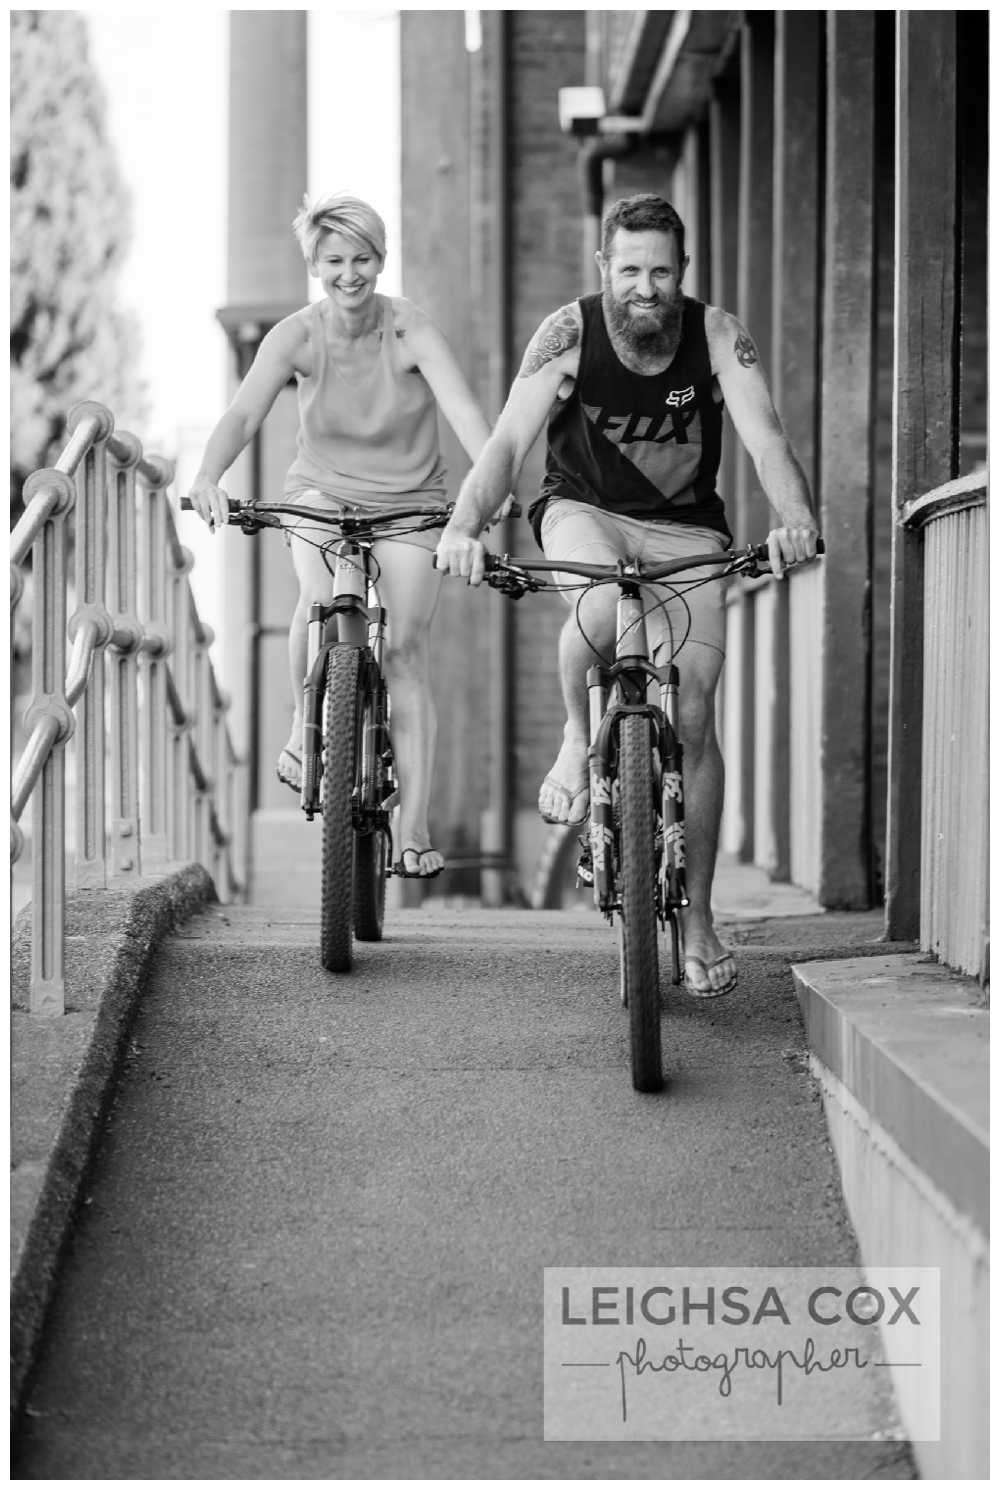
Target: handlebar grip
235,507
760,550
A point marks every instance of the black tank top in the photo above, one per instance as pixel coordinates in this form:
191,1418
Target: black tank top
646,447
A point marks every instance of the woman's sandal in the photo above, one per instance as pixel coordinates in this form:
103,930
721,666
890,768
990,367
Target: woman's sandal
414,874
283,775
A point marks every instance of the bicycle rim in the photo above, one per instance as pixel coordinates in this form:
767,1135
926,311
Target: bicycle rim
640,970
339,755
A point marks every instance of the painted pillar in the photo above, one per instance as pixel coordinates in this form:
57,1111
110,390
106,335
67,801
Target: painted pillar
847,458
793,382
924,428
266,280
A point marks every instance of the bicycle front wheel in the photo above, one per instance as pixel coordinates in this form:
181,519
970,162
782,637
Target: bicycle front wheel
637,890
340,741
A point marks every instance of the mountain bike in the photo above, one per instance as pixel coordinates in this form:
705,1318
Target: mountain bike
633,852
348,770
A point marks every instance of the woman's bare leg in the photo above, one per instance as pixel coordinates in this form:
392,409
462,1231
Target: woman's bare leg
409,587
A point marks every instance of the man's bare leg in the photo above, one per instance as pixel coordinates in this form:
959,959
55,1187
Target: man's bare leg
565,793
709,968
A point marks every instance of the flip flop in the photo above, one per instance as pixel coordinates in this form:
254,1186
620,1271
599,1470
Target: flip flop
706,967
574,794
414,874
283,775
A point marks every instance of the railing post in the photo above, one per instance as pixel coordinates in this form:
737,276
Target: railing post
180,719
91,866
220,858
153,665
173,796
124,721
204,729
49,721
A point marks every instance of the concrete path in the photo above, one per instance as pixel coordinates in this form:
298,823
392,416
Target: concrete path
314,1238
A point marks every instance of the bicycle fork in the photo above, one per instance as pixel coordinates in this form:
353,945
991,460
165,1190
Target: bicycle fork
346,620
629,676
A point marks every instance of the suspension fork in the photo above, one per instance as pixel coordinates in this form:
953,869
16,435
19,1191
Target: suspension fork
633,643
599,765
345,621
673,874
631,649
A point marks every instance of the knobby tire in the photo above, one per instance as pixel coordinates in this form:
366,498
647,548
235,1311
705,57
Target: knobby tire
340,740
640,962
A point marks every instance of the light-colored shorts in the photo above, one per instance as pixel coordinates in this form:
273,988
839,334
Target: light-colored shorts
690,609
313,497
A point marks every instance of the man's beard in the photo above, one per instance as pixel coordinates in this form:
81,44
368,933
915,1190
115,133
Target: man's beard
655,333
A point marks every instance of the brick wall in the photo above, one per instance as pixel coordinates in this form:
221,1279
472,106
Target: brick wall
450,249
546,54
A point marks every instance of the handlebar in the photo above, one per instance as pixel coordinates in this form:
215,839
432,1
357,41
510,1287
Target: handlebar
515,577
252,516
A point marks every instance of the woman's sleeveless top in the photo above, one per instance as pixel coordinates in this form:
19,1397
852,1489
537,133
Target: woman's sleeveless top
646,447
366,438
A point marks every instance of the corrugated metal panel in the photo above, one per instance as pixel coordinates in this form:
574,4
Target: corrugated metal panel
805,624
955,790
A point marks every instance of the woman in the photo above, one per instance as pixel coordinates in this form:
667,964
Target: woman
371,370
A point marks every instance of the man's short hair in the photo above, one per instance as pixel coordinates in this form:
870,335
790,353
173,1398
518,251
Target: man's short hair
644,213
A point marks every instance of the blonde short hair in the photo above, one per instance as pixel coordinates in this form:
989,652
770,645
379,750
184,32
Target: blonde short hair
338,213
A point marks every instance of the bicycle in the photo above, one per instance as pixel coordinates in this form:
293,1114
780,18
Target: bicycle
348,770
634,853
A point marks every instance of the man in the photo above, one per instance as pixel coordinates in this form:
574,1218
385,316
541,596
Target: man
632,382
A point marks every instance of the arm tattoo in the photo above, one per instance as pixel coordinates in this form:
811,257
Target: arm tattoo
560,332
745,350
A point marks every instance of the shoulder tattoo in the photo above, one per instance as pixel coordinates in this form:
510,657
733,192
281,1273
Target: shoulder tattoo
746,352
560,332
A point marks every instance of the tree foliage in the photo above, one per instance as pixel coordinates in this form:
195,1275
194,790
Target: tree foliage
70,224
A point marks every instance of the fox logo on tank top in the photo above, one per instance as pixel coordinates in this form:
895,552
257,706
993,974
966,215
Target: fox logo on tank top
646,447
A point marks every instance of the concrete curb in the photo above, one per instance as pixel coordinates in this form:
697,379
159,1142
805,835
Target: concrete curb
63,1072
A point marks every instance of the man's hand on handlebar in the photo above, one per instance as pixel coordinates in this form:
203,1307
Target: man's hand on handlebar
790,545
210,502
459,555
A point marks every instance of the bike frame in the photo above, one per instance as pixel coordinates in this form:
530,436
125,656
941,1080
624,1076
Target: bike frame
354,617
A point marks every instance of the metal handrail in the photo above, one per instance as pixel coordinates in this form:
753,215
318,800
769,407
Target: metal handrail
157,778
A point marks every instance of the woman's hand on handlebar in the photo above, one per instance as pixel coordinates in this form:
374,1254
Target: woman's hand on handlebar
790,545
210,502
510,505
459,555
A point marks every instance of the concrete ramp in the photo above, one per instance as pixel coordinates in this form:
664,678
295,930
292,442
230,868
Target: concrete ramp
314,1241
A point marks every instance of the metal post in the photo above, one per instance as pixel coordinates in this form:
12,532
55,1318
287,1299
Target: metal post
124,720
49,723
91,863
153,664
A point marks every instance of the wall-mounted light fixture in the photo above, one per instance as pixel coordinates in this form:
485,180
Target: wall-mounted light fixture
583,112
